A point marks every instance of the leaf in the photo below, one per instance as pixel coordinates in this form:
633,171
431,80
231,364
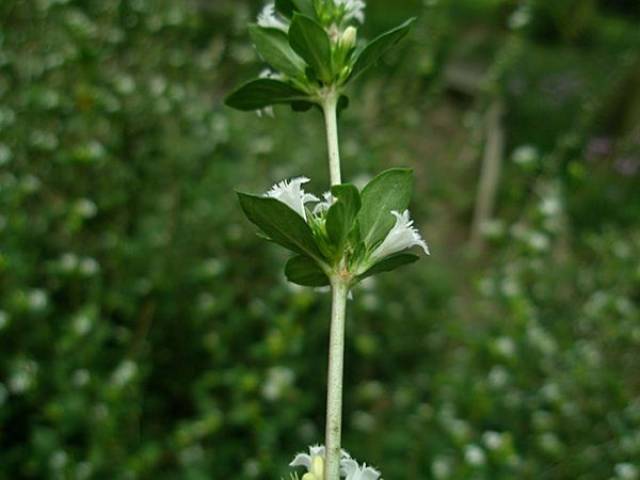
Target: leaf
391,190
273,46
389,264
378,47
309,40
342,214
283,225
302,106
305,271
285,7
262,93
305,7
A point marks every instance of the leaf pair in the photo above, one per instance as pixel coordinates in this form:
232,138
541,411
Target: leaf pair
305,56
356,223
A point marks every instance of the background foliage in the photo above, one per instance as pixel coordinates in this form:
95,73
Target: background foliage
145,332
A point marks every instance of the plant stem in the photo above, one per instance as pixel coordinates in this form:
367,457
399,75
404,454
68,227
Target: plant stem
340,290
330,110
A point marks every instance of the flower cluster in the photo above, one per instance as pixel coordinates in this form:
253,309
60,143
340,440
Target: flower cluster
330,13
358,257
349,468
311,47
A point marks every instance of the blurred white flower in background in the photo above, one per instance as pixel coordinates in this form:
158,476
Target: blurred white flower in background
520,18
4,319
277,381
85,208
441,468
37,300
493,440
525,155
474,455
89,266
124,373
627,471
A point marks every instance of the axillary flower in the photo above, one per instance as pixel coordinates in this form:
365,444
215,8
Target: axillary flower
402,236
352,471
291,193
349,468
313,462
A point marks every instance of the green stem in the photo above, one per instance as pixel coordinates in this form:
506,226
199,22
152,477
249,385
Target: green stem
340,290
330,110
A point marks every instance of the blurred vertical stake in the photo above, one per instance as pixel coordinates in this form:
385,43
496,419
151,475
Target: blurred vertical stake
490,172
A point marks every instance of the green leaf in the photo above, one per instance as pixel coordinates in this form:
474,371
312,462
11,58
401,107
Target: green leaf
283,225
273,46
342,214
285,7
368,56
262,93
389,264
305,7
289,7
309,40
391,190
305,271
302,106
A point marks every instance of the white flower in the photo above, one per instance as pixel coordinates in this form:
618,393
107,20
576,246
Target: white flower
324,205
353,471
314,463
290,193
474,455
354,9
270,18
402,236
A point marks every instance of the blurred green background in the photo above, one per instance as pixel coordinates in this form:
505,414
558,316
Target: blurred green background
147,333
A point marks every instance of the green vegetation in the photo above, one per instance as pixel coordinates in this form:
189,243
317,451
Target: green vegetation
146,332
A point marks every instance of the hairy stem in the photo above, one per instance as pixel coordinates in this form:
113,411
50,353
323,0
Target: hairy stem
340,290
330,110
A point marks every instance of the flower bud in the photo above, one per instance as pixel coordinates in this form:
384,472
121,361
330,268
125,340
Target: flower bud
317,467
348,38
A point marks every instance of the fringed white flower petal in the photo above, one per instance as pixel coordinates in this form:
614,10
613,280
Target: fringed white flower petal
301,460
402,236
352,471
290,193
354,9
324,205
349,468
